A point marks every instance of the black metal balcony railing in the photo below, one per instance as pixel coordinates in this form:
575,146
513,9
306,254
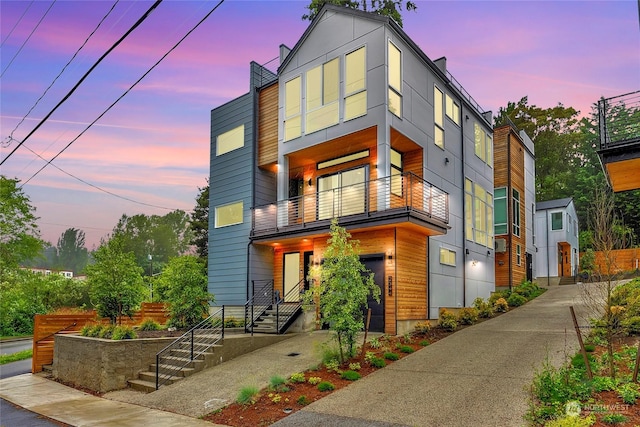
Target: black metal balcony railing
406,192
619,120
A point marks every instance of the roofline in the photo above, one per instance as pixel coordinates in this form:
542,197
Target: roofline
570,201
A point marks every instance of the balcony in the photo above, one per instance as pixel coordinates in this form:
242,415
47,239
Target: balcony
619,132
389,200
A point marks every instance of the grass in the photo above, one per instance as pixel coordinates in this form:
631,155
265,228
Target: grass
14,357
14,337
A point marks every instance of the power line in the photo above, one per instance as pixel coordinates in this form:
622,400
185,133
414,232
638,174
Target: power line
17,23
73,89
96,187
124,94
64,68
25,42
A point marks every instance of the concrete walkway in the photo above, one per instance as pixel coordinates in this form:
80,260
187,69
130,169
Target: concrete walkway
477,376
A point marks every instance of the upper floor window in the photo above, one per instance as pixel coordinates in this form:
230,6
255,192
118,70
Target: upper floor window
453,110
478,214
500,212
438,117
230,140
518,254
229,214
292,109
396,173
516,212
355,84
322,89
483,144
447,257
556,221
395,80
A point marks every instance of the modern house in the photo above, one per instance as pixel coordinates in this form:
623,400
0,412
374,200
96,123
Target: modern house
360,125
619,135
557,241
514,206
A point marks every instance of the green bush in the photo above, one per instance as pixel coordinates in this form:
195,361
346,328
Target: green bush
277,383
496,296
406,349
447,320
424,343
92,330
577,361
572,421
355,366
332,365
303,400
468,315
326,386
149,325
389,355
314,380
247,395
123,333
613,419
106,332
350,375
600,384
422,327
298,377
377,362
628,392
485,309
515,300
501,305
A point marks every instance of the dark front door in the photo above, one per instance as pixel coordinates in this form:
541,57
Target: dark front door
529,266
375,264
308,258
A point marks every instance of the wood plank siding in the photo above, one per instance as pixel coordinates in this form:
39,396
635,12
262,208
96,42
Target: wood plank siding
268,126
509,171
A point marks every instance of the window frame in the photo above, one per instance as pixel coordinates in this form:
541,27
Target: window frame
518,254
516,226
454,115
298,115
314,107
561,220
393,91
217,214
448,253
360,92
438,116
235,145
502,200
396,178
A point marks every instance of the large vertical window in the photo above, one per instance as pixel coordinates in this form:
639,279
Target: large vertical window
478,205
518,254
500,213
483,144
342,194
230,140
355,84
396,173
395,80
453,110
438,118
292,109
480,210
516,212
468,209
230,214
322,89
489,147
556,221
489,220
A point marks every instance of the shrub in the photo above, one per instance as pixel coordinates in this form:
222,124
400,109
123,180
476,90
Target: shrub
303,400
123,333
559,385
614,419
589,348
378,362
375,343
447,320
600,384
355,366
501,305
422,327
106,332
298,377
406,349
424,343
495,297
485,309
149,325
515,300
247,395
326,386
314,380
332,365
92,330
350,375
389,355
572,421
628,393
277,382
468,315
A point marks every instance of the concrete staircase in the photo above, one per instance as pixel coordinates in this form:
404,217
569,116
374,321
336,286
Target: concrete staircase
567,280
269,321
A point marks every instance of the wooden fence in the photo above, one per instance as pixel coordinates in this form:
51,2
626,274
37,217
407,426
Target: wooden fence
45,326
623,260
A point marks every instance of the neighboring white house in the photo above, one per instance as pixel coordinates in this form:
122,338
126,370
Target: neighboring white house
556,239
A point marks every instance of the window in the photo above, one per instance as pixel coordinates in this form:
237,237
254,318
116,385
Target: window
292,101
343,159
230,140
395,80
396,173
355,85
480,211
229,214
342,194
516,212
453,110
438,118
447,257
518,254
500,213
489,220
556,221
478,214
468,208
483,144
322,88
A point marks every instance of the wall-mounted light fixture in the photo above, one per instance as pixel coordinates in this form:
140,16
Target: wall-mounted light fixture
466,117
488,253
389,255
474,262
310,183
446,160
466,251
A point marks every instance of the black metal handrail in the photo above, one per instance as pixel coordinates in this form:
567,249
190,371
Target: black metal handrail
259,302
290,304
617,125
197,340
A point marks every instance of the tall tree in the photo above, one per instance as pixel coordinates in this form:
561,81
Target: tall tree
19,234
200,224
389,8
72,253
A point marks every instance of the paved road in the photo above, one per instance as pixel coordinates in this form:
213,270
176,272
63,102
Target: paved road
14,346
15,368
15,416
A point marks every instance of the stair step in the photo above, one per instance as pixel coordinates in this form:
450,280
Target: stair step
182,361
151,377
144,386
173,369
47,368
185,353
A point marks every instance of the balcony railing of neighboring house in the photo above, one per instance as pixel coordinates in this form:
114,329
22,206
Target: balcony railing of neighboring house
618,120
399,193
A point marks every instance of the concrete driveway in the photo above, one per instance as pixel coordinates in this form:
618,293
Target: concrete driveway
477,377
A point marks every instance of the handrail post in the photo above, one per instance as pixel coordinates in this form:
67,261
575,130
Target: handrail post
191,344
223,322
157,371
278,318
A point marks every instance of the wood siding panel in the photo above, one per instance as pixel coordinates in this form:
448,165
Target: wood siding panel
268,126
411,259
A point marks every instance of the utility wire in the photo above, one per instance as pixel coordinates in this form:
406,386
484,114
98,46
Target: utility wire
125,93
25,42
98,188
73,89
16,24
64,68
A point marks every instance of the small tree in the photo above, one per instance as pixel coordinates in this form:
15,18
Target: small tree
116,281
343,289
185,284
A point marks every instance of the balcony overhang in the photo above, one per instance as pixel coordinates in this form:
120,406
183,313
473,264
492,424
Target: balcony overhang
621,164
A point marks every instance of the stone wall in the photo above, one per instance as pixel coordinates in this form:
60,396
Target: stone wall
100,364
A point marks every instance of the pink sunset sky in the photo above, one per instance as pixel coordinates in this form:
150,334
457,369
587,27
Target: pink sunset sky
153,146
